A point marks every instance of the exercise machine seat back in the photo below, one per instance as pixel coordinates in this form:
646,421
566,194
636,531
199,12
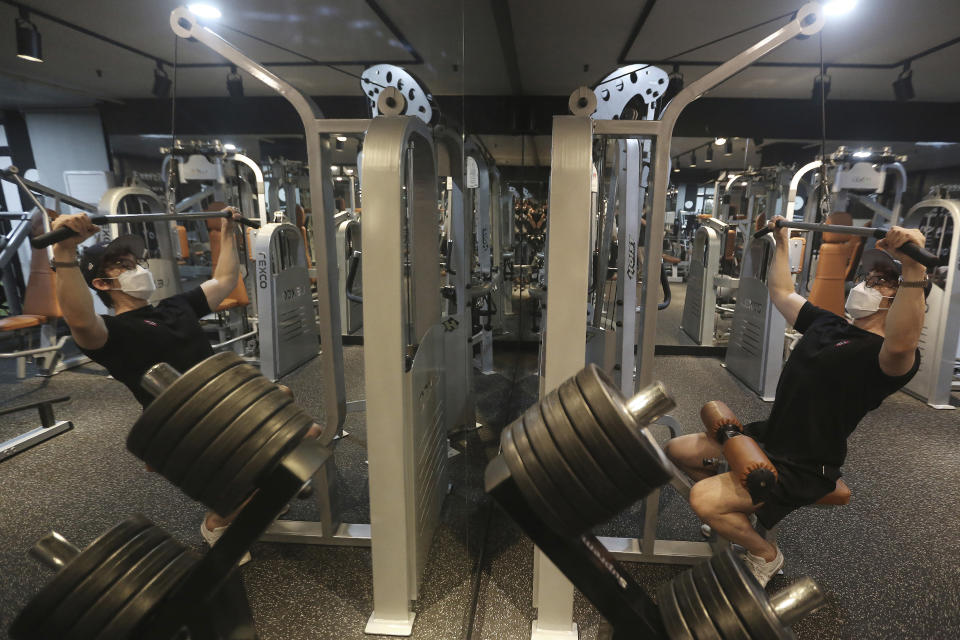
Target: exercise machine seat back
40,301
184,245
836,251
238,297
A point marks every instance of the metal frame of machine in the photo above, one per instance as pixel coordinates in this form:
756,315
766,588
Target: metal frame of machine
404,345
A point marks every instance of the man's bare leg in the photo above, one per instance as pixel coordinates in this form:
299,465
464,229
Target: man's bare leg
723,503
688,453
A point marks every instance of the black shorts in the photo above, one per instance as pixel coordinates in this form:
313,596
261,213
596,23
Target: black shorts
798,485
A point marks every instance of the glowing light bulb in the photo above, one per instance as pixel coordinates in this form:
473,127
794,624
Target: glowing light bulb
204,11
839,7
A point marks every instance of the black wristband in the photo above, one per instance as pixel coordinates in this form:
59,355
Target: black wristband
66,265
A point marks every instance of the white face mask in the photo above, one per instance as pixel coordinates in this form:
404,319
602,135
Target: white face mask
863,301
138,283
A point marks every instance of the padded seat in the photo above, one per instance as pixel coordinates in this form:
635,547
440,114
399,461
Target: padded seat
21,322
839,496
230,303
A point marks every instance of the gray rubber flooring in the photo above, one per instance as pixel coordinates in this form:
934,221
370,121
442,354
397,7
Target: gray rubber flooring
888,561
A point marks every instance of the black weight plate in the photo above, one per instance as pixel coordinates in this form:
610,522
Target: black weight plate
176,394
235,431
576,454
673,620
117,596
609,407
34,615
196,441
557,468
721,611
225,475
748,599
692,607
76,603
138,608
525,484
186,417
601,448
265,460
546,486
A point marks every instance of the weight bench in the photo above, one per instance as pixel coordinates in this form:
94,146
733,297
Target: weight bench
49,427
40,310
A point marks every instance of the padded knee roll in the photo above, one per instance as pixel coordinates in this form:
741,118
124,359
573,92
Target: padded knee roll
751,466
747,460
716,416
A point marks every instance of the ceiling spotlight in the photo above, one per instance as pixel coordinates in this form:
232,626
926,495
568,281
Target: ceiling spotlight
821,88
728,148
161,82
709,157
339,145
862,154
720,142
234,83
229,147
676,165
204,11
675,84
839,7
903,85
693,158
341,138
28,38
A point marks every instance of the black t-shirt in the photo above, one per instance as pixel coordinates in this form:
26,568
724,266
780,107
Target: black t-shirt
829,382
168,332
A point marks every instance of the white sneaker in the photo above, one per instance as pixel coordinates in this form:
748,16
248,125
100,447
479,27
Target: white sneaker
212,536
761,569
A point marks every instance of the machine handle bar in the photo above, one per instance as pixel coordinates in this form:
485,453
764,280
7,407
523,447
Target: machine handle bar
915,251
62,233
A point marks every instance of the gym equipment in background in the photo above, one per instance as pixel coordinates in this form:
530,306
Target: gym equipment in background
938,217
49,426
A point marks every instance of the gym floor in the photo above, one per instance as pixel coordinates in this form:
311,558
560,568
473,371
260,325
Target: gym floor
887,561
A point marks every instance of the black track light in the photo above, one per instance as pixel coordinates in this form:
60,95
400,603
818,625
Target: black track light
234,83
903,85
709,157
693,158
28,38
161,82
821,88
728,148
675,83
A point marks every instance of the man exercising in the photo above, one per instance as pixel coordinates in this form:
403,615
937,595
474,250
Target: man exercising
139,335
838,371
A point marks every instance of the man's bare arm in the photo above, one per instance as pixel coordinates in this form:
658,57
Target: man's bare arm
227,272
779,281
73,295
905,318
